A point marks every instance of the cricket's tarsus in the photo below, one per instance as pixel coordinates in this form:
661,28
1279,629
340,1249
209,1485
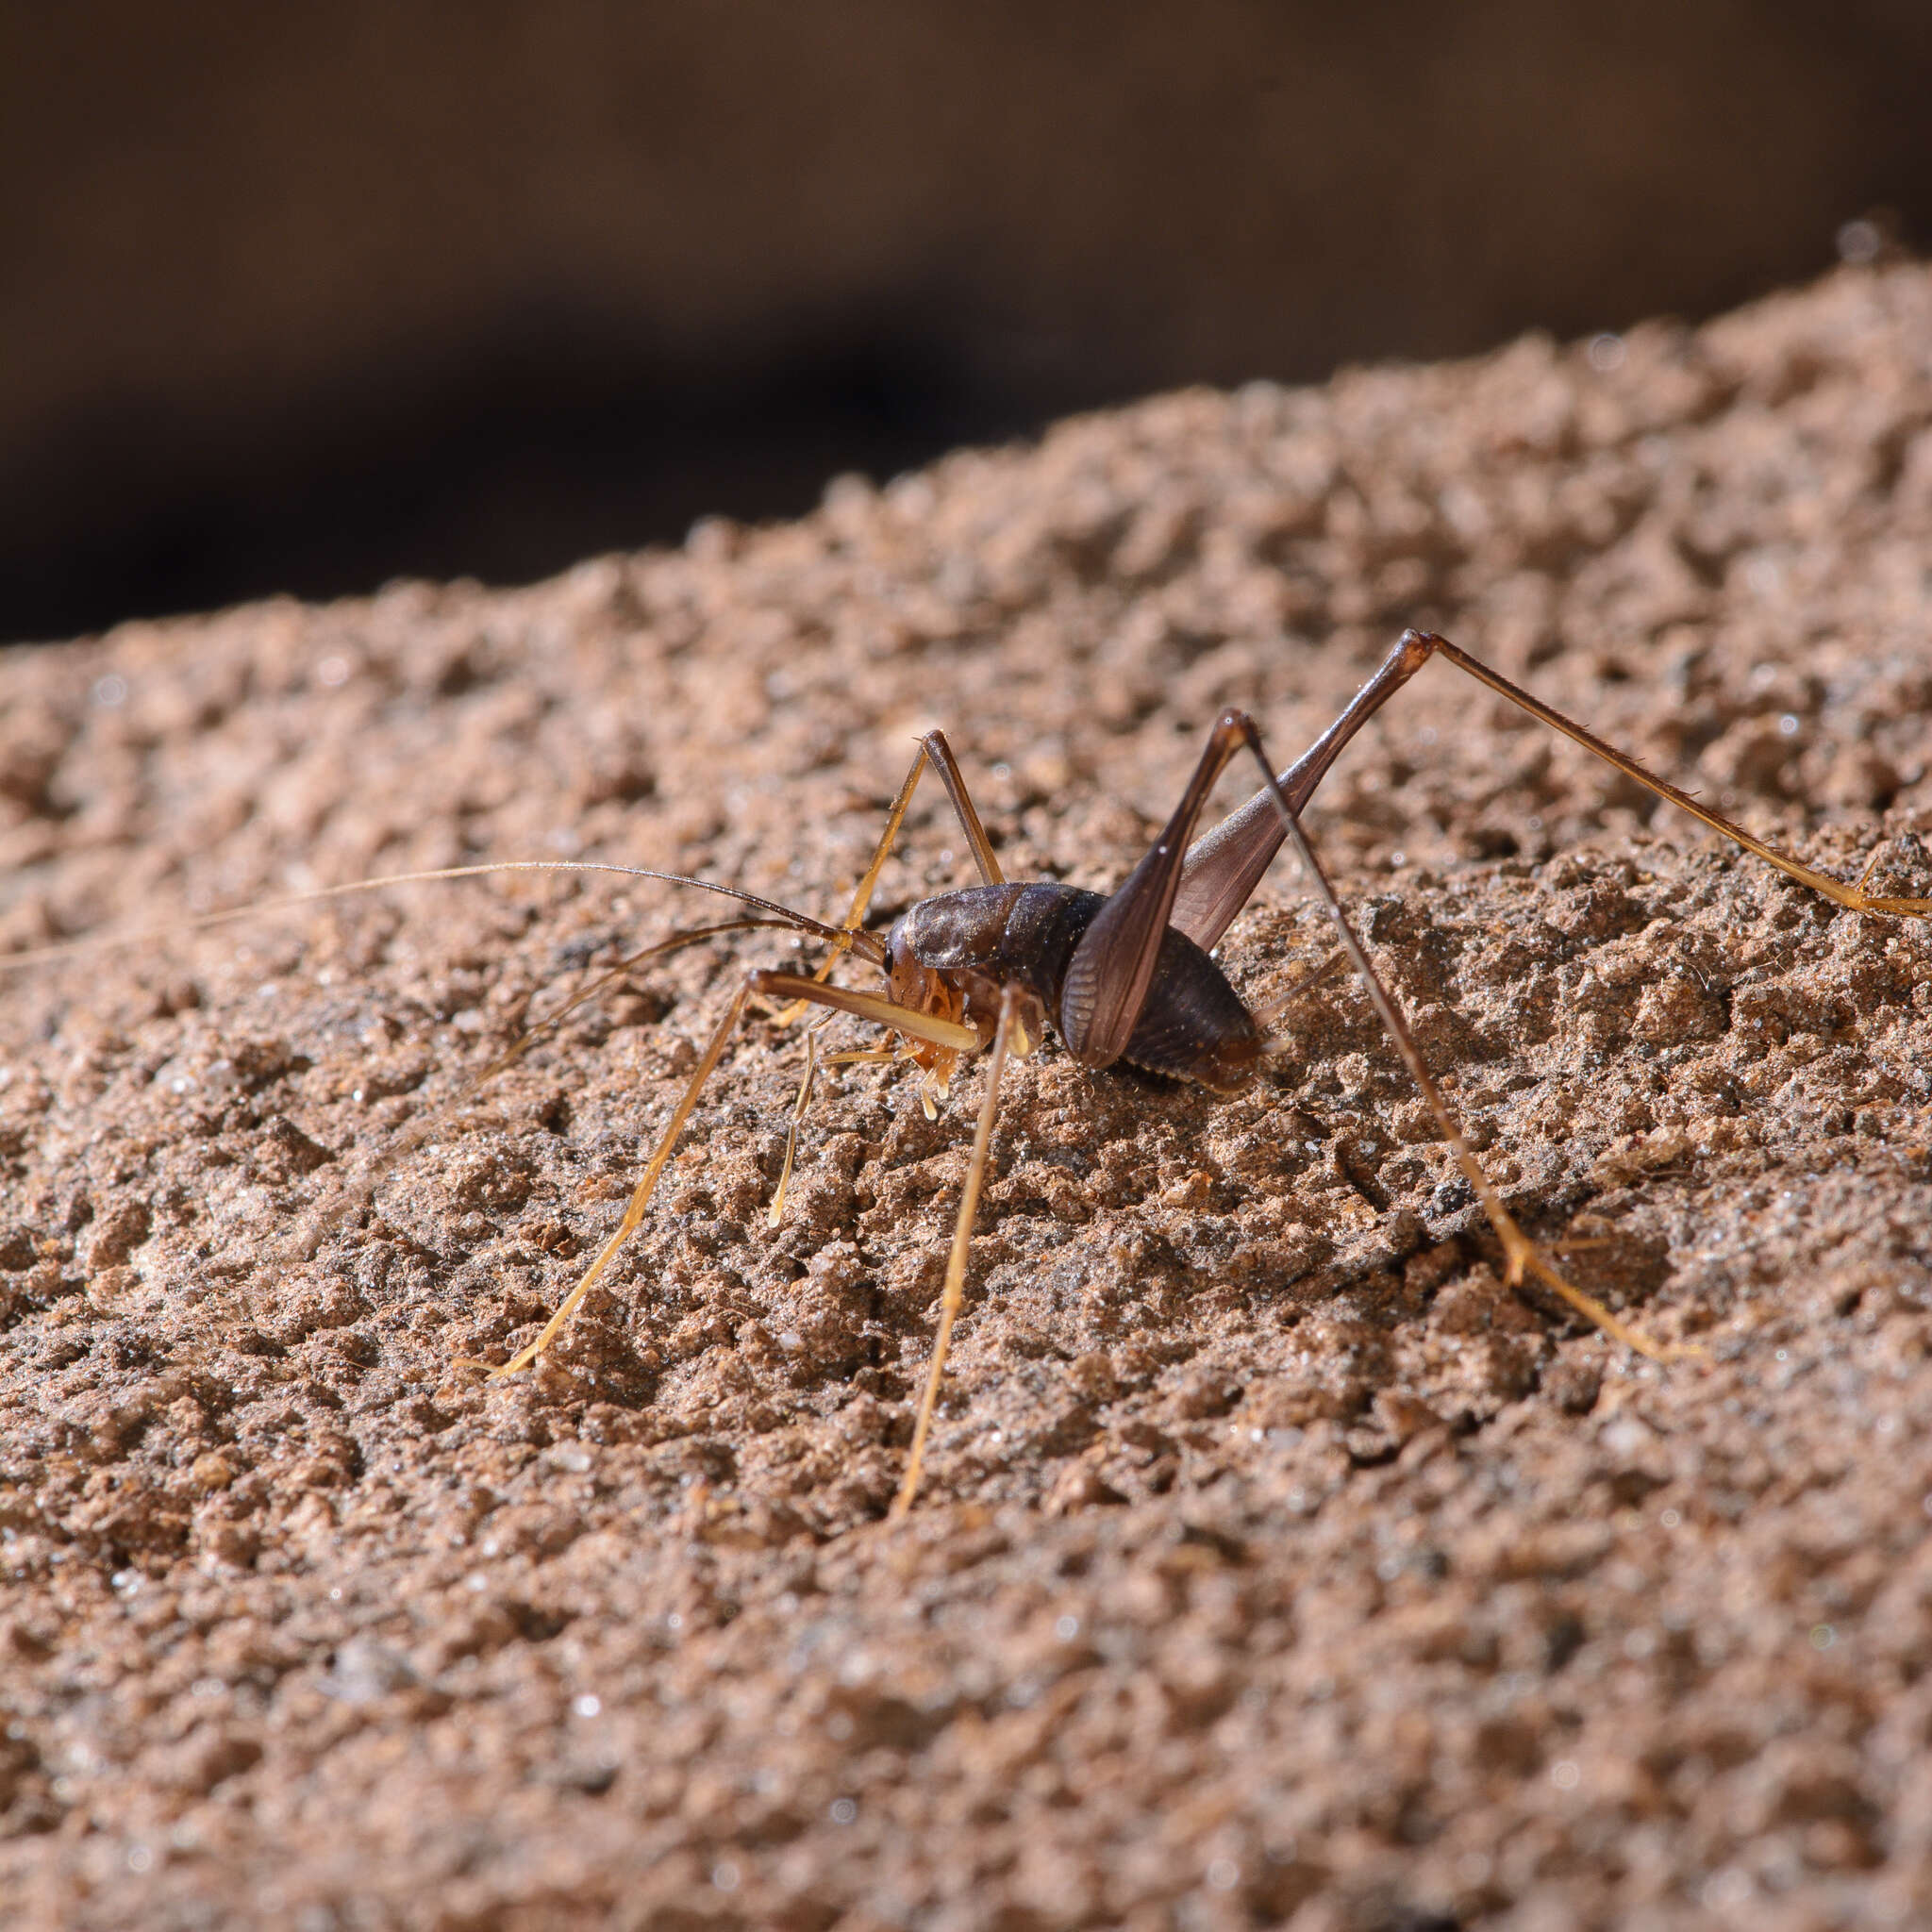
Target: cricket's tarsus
1124,976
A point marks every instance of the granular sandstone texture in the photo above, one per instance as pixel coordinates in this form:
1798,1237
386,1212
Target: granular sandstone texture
1277,1564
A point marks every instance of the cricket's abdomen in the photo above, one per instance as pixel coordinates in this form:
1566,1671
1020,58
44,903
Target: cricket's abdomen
1193,1027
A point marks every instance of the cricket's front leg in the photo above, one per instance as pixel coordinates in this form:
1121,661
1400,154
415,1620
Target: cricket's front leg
766,984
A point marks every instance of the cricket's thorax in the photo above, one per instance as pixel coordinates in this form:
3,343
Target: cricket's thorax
1193,1027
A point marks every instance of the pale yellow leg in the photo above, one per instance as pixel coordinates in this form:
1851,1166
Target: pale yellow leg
918,1026
862,896
641,1198
874,1007
934,749
811,1067
1009,1034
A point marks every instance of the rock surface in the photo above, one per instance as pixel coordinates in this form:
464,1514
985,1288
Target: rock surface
1275,1563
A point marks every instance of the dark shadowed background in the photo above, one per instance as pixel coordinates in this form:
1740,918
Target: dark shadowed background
303,299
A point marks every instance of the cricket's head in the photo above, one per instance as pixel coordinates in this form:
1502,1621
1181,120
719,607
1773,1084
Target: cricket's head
922,988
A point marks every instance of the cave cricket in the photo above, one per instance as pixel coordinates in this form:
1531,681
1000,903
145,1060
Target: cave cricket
1123,978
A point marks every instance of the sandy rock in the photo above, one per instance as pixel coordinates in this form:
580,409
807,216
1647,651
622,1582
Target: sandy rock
1275,1558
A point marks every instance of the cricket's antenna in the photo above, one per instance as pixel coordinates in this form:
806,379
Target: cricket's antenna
866,944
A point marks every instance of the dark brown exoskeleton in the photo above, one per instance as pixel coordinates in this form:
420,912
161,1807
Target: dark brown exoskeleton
1193,1026
1122,976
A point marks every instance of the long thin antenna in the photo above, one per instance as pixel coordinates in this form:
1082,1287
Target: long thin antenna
865,943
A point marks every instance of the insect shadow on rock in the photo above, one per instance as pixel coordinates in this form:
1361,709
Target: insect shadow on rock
1124,976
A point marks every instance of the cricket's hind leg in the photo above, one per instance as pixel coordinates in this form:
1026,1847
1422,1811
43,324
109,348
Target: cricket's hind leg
1854,898
1522,1256
1225,864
